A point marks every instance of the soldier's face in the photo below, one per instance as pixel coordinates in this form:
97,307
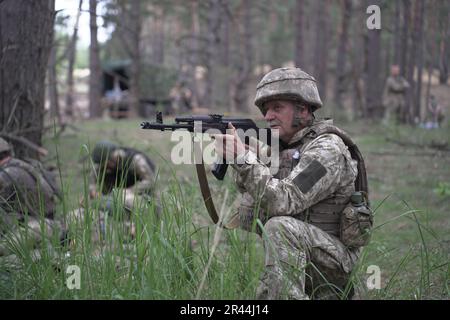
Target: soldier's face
395,70
280,115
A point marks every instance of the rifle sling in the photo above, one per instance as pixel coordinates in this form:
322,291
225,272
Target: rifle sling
206,192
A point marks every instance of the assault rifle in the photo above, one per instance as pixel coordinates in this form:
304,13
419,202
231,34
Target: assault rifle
208,122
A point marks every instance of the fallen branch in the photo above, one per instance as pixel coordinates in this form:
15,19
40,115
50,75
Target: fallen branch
42,151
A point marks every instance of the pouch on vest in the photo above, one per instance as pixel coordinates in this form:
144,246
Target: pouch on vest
356,222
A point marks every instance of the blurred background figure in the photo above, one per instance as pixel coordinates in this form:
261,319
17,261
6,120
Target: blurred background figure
394,96
181,98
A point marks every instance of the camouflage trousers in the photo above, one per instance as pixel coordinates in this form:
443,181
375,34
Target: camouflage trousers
395,111
30,232
99,224
303,262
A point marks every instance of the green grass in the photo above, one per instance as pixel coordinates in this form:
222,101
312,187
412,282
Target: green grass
182,255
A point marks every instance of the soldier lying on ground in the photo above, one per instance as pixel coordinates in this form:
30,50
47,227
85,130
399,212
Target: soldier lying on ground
121,180
28,196
304,207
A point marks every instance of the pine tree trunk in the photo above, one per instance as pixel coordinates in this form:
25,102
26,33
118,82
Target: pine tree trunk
373,83
418,25
396,38
357,62
194,60
71,55
444,47
159,36
342,51
411,95
404,45
52,85
243,75
23,68
94,65
431,43
299,38
212,51
224,54
321,47
135,70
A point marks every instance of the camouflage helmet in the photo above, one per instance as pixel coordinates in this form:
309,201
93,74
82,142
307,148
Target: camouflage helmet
288,84
102,151
4,145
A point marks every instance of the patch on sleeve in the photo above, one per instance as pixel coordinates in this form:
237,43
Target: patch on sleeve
306,179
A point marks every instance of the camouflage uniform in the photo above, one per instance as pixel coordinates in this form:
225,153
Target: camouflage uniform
300,207
435,115
129,185
134,174
27,204
394,98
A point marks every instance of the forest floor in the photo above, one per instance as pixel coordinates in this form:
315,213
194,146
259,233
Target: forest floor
409,180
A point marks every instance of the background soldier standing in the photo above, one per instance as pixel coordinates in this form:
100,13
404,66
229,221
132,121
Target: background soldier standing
28,195
306,239
435,114
394,96
181,98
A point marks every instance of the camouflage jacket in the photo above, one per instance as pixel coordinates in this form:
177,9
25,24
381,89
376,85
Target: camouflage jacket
26,189
312,170
394,91
135,172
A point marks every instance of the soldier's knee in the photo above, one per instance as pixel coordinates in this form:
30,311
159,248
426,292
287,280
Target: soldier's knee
287,228
285,223
283,226
276,224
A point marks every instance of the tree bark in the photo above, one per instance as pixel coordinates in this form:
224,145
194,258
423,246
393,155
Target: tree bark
321,47
418,25
444,45
299,37
212,51
346,8
159,35
411,95
94,65
404,45
244,67
135,72
71,55
373,83
224,54
52,85
431,43
26,34
357,61
397,36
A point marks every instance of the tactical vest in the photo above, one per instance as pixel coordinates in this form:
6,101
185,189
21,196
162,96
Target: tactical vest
125,174
30,189
326,213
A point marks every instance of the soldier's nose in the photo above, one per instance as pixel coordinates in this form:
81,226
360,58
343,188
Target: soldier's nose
269,116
